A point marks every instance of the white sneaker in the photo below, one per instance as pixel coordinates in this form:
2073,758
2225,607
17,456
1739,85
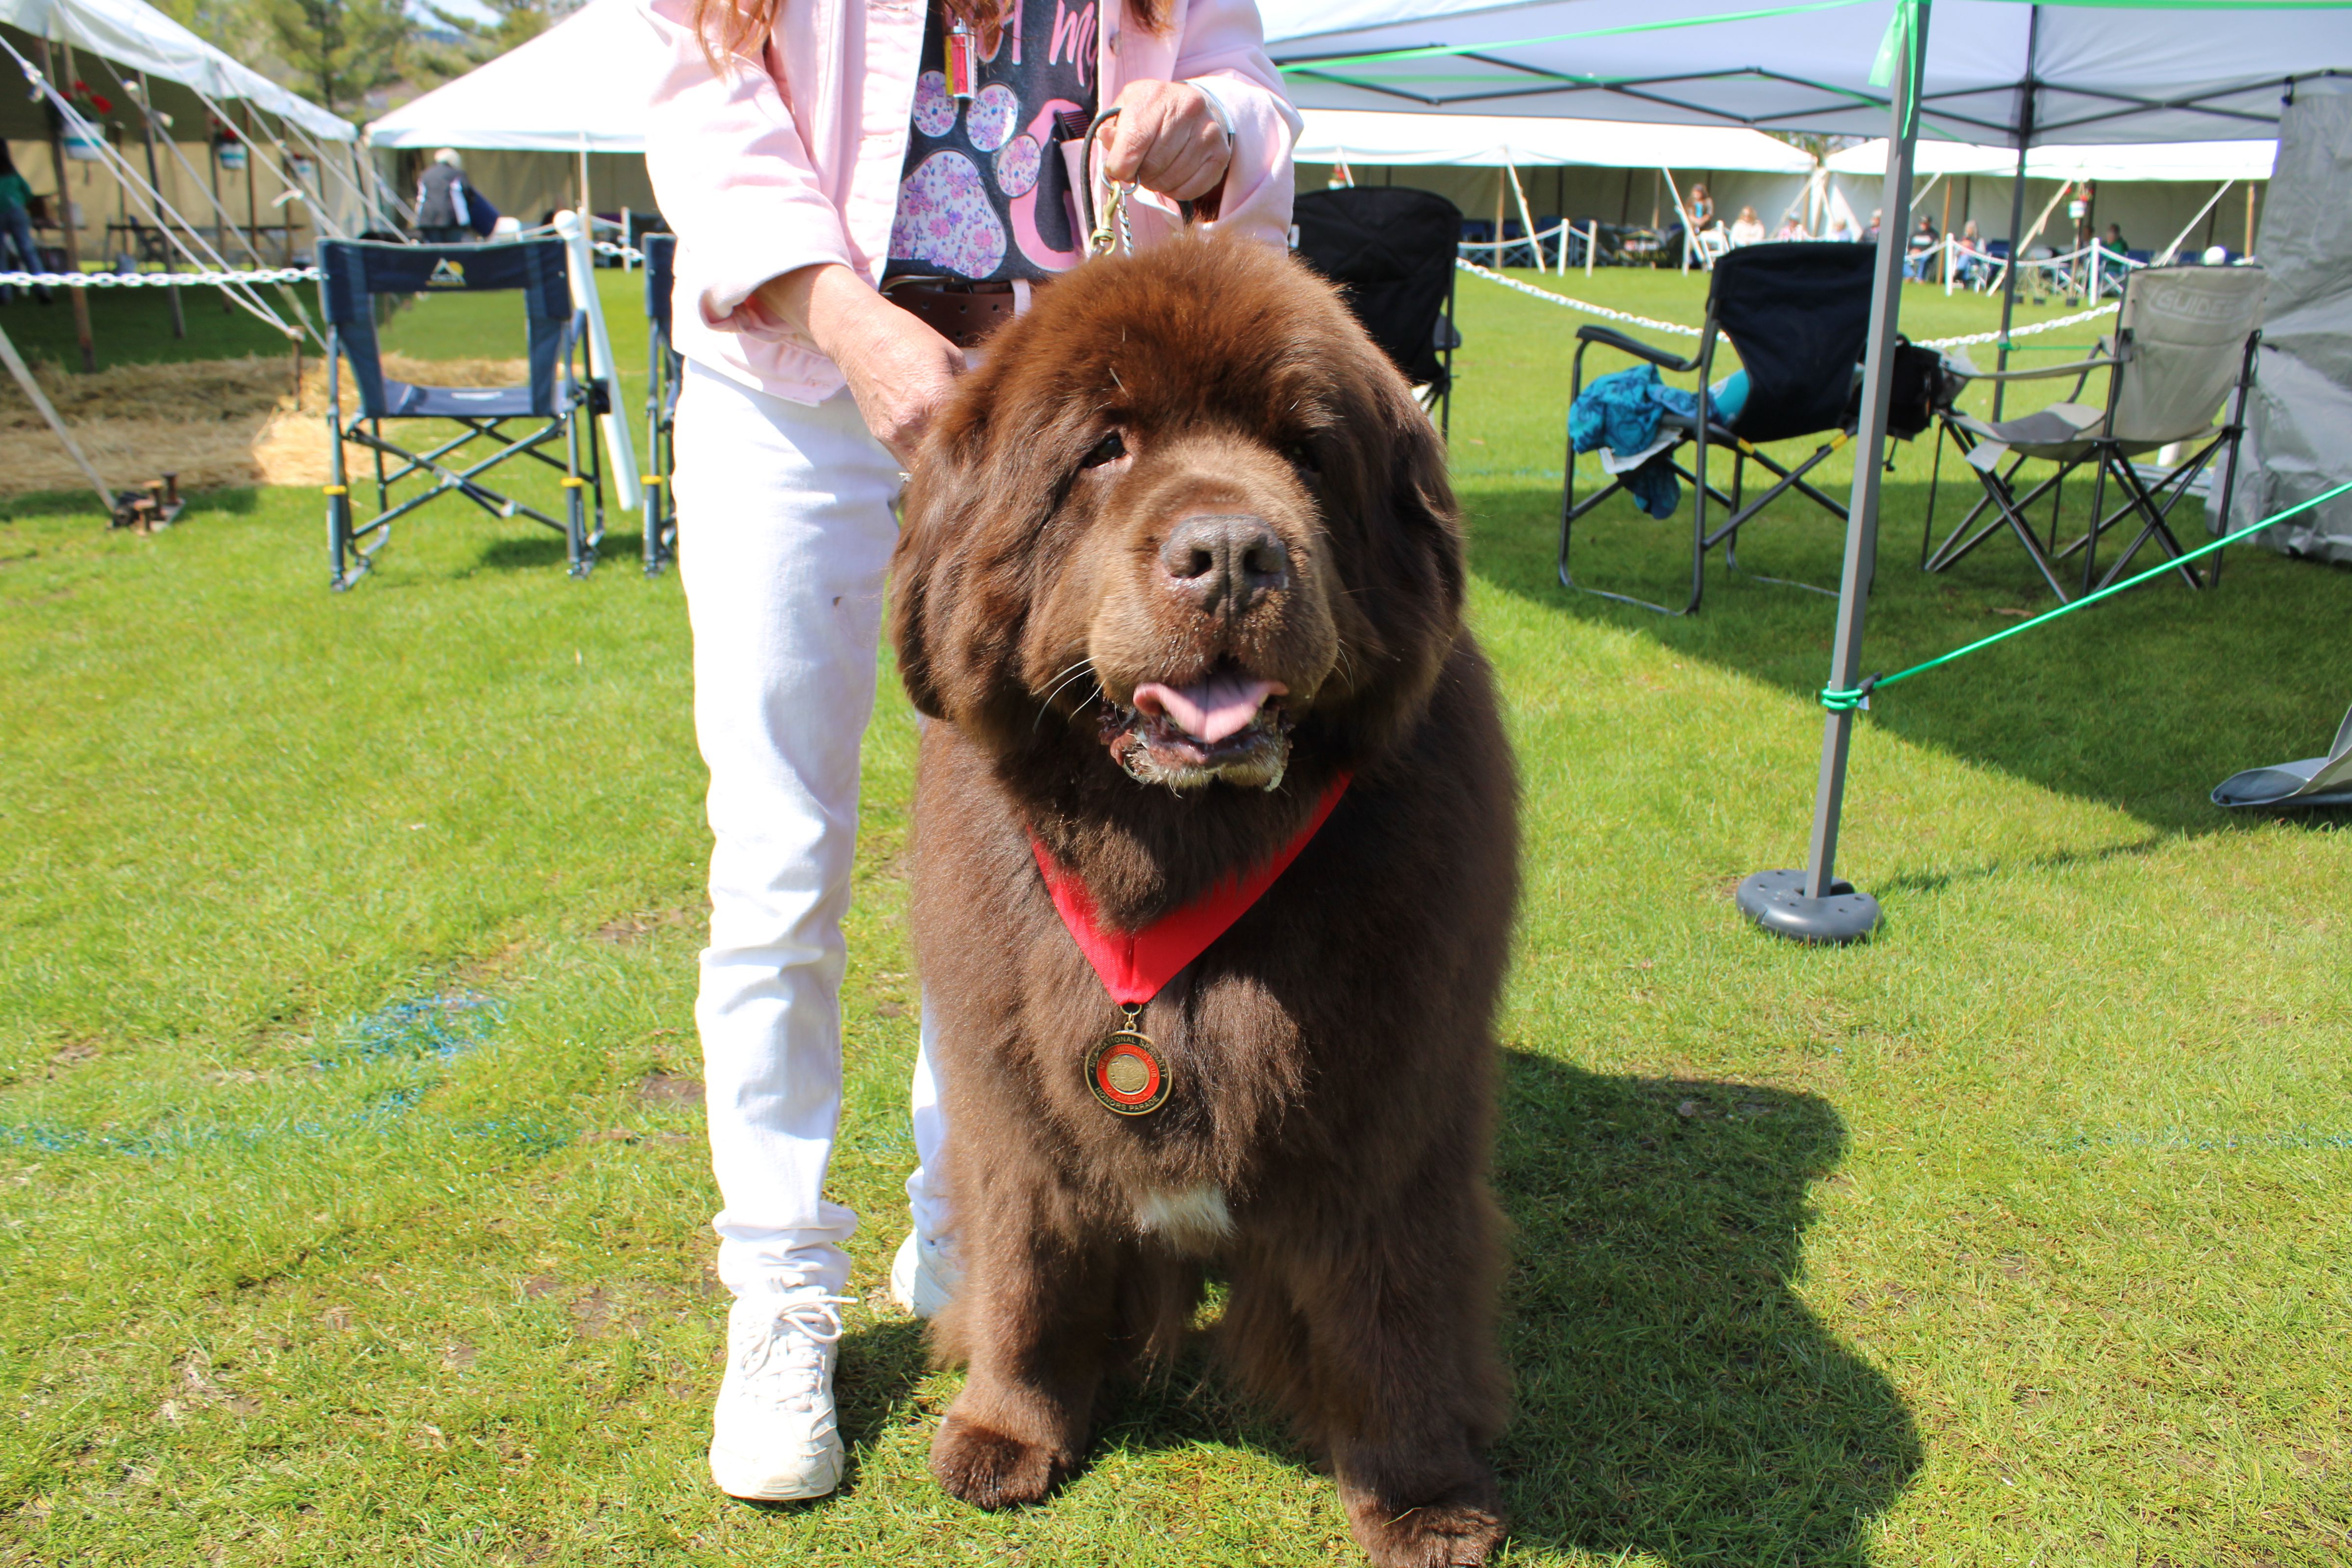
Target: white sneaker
773,1437
924,1275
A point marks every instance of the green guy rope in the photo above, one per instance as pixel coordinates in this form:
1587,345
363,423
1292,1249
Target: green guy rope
1846,702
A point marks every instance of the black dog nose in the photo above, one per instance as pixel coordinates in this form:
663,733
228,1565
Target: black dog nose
1224,563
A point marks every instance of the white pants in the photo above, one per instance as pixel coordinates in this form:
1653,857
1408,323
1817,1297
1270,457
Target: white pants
784,538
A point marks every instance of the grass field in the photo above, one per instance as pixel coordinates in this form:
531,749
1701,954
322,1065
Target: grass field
352,1202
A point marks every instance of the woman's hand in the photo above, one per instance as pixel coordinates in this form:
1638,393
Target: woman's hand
1166,139
898,370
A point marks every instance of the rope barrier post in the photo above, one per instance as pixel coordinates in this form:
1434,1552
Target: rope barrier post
1812,905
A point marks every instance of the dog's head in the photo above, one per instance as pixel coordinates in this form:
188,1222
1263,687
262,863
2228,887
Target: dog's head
1186,512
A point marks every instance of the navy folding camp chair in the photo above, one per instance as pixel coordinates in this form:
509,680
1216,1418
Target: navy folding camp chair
1797,314
664,370
1390,249
558,402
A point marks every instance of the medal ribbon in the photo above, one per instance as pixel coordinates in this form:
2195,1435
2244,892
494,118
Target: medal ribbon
1134,965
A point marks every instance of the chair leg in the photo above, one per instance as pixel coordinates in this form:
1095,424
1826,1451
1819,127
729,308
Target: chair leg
576,521
2098,501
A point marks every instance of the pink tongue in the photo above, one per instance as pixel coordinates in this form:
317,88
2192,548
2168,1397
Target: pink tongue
1212,710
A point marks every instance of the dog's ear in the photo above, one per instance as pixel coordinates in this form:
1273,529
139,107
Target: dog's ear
927,528
1421,493
958,606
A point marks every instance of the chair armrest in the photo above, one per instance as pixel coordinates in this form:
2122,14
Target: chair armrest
2043,372
1611,338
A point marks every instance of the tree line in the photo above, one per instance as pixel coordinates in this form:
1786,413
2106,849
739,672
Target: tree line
358,58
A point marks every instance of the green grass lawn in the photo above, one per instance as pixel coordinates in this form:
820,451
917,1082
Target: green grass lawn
352,1208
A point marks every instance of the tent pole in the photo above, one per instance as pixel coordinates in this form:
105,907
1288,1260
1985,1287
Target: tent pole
1527,216
1812,905
1945,267
2017,204
252,174
155,178
220,208
65,215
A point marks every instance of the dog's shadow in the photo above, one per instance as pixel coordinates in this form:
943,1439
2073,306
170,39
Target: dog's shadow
1675,1396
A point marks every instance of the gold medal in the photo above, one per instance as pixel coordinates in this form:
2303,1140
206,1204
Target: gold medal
1125,1072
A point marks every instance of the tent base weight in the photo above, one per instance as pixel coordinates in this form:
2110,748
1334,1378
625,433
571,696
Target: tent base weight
1777,901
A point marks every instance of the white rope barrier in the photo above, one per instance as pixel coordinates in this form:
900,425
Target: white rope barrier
157,280
2015,332
1603,311
1678,330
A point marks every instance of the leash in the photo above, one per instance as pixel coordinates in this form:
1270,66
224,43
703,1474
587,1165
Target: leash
1111,231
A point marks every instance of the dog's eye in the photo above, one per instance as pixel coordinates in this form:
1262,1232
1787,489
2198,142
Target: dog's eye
1109,449
1302,458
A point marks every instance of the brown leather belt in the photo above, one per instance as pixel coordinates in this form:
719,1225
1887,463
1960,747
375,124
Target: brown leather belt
964,313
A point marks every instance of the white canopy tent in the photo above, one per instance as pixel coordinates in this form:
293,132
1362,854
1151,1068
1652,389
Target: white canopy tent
2101,71
583,86
580,90
2165,161
2012,73
138,38
124,86
1377,136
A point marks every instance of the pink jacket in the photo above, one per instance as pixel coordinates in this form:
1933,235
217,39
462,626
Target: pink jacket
765,168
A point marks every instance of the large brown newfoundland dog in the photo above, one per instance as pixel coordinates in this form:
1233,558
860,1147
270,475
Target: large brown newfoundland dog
1181,566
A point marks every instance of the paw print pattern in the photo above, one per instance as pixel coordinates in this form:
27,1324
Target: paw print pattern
1016,166
992,117
945,218
935,111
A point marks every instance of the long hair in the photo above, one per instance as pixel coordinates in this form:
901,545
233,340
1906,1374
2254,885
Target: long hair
741,26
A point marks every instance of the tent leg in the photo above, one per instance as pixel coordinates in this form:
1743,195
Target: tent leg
1812,905
2017,208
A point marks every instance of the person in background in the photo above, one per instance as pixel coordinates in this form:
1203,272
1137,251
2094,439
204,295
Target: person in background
1792,227
1702,209
16,228
811,153
1920,248
1747,229
2116,243
442,215
1870,235
1972,264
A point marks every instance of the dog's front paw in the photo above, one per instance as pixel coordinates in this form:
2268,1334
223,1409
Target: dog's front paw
1457,1529
990,1470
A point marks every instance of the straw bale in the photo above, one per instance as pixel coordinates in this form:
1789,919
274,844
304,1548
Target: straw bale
215,423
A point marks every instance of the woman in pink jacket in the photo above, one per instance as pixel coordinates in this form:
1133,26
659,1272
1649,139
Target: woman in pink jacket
860,187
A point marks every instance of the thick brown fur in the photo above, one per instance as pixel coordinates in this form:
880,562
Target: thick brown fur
1331,1054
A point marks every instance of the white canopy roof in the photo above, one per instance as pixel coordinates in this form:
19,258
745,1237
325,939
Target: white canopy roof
2192,161
2103,71
1374,137
139,37
575,88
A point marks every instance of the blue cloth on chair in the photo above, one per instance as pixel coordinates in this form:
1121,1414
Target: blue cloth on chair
1621,411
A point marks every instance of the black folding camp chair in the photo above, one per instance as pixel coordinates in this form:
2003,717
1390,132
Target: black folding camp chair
664,369
559,401
1390,249
1797,315
2183,349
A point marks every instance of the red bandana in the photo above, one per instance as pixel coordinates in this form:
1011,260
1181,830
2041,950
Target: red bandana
1134,965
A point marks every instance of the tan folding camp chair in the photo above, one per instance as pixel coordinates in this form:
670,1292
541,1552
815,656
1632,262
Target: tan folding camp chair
2183,336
